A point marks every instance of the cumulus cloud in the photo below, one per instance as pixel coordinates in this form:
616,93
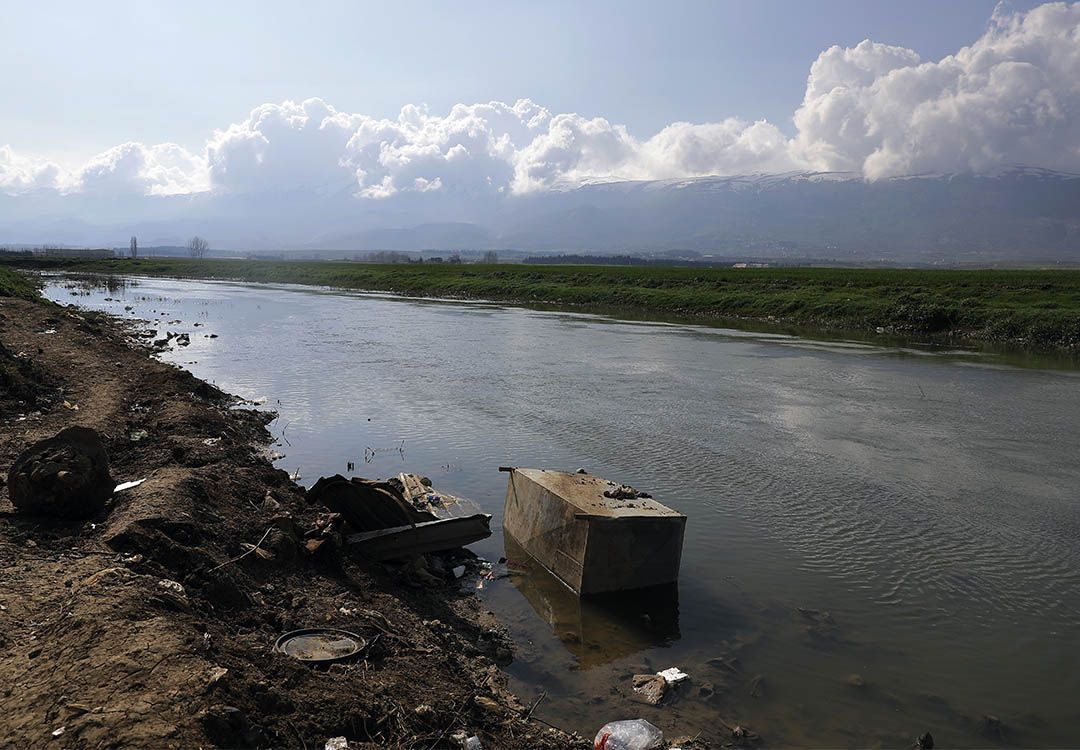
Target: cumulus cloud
164,169
1013,96
19,175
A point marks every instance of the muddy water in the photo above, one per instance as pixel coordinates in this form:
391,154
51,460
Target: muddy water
881,540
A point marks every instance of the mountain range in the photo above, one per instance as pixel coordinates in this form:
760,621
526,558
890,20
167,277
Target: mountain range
1017,214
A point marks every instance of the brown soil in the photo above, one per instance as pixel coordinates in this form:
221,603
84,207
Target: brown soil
100,648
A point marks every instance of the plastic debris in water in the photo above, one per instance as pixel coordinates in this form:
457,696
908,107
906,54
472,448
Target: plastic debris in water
673,675
635,734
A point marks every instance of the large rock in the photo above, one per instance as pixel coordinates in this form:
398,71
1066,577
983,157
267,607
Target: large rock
66,476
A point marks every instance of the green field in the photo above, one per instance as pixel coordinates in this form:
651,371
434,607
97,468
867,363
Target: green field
1038,309
13,284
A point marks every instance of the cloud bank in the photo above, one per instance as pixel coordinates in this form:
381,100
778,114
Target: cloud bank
1011,97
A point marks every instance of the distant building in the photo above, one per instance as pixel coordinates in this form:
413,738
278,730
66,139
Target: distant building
78,253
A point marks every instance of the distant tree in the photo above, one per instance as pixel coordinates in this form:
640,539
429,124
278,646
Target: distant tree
490,257
454,258
134,248
197,247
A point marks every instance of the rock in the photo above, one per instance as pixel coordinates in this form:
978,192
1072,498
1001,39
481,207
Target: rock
487,704
325,551
726,663
855,681
924,742
649,688
65,476
757,686
993,726
743,737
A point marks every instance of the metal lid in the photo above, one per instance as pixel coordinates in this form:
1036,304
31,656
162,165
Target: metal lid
320,645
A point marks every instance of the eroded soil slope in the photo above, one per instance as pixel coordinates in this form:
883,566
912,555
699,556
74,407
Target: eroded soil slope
140,628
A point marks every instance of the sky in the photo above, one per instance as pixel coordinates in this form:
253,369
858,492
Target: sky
85,76
148,98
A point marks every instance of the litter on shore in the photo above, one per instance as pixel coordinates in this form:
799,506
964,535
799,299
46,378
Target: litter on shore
594,535
400,517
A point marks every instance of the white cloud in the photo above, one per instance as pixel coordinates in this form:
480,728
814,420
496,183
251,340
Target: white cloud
1013,96
132,168
19,175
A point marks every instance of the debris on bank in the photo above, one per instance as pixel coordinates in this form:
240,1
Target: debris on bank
155,610
594,535
398,518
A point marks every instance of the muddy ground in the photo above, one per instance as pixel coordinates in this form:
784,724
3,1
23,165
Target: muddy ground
140,628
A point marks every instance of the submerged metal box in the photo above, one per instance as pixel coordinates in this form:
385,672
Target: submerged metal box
592,542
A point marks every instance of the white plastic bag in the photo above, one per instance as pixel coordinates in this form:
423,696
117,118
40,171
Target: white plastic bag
634,734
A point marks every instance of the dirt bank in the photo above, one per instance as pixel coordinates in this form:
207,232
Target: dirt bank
139,628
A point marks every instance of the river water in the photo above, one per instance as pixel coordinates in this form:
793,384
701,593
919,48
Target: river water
883,538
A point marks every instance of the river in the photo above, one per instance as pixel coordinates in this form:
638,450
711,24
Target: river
883,537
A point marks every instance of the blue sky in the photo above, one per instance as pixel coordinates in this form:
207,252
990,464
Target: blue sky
82,77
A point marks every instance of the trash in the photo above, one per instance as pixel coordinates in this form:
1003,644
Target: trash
673,675
389,525
634,734
137,435
459,571
320,645
417,539
556,517
366,505
172,587
650,688
337,743
625,492
65,476
924,742
127,485
69,405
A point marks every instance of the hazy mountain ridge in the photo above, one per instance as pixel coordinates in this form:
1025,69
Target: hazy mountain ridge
1017,213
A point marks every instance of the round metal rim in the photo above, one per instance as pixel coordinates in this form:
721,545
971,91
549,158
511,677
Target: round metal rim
361,643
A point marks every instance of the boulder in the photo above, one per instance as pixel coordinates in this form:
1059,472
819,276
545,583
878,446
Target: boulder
65,476
649,688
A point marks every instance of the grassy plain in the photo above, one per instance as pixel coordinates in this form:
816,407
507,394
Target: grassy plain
1036,308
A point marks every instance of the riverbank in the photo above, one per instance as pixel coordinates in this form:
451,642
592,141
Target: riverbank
1031,309
149,626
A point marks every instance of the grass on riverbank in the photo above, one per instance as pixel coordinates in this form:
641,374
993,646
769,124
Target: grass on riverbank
14,284
1032,308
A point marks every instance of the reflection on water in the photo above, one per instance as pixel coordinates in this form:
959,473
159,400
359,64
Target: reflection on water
881,539
601,628
87,283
